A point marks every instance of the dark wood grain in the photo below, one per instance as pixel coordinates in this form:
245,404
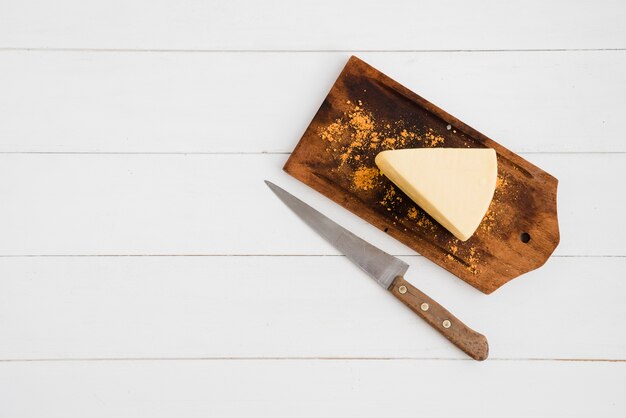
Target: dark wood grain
471,342
520,230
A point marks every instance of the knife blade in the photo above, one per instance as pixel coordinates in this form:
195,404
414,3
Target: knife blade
388,271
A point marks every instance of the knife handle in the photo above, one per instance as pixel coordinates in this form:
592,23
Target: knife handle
471,342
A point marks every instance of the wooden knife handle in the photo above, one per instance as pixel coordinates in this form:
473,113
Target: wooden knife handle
471,342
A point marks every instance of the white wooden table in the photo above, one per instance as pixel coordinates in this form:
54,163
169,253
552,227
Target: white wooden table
146,270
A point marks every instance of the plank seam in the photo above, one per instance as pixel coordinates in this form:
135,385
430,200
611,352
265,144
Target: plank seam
111,359
300,51
249,255
257,152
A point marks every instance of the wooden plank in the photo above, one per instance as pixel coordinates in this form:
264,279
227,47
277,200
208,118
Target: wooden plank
367,112
312,25
307,306
284,388
218,204
173,102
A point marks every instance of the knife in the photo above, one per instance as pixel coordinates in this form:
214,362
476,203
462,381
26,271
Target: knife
388,271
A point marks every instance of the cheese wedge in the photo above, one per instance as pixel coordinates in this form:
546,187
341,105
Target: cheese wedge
453,185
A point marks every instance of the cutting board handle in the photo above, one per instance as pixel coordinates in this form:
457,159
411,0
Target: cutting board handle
471,342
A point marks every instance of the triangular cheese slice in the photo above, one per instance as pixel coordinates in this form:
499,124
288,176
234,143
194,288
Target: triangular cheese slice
454,185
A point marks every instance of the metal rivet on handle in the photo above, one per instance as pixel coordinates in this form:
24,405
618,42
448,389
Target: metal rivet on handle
424,306
402,289
446,324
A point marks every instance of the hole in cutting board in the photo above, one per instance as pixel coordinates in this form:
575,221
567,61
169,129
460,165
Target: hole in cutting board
386,229
524,237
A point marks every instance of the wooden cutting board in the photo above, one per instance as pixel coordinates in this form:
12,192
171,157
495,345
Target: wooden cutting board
366,112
